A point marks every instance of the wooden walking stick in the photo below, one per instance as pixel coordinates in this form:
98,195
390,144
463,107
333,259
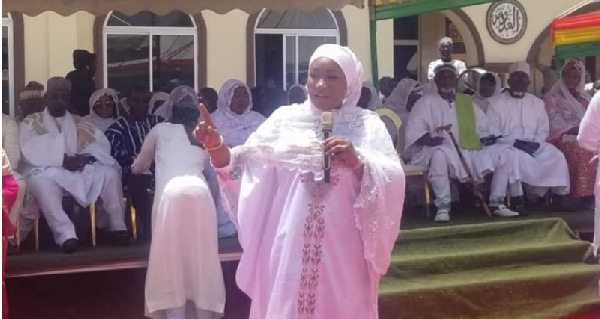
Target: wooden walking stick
446,128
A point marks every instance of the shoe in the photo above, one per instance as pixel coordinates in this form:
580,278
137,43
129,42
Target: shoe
503,211
517,204
121,238
564,203
70,246
442,216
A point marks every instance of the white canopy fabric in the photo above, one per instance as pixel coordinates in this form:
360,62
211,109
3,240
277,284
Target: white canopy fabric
102,7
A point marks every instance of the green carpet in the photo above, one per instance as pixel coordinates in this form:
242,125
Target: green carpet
534,268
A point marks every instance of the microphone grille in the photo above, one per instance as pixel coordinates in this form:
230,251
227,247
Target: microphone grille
327,120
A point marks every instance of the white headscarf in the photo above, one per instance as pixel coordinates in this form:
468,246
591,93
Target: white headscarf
399,97
564,110
158,96
349,64
166,110
235,128
375,101
93,118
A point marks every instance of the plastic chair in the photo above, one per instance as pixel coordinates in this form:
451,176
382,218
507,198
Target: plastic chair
409,170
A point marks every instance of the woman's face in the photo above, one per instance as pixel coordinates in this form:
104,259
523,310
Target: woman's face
240,100
105,107
571,77
326,84
486,88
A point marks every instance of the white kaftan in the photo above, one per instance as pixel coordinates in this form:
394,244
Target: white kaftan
45,140
526,119
184,260
589,138
313,250
431,112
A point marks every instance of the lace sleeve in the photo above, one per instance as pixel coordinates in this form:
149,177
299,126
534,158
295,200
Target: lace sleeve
229,178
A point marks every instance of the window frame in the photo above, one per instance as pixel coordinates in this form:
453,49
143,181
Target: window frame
413,42
149,31
296,33
8,22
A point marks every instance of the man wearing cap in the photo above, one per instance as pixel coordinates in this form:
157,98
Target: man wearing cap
30,101
446,46
64,154
521,119
435,149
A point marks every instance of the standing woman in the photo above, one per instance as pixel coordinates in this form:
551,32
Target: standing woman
234,115
103,109
184,265
313,249
10,188
589,138
566,103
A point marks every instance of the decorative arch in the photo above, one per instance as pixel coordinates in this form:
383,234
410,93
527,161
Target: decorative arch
467,28
250,40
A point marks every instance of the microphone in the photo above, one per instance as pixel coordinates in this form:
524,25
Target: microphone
327,127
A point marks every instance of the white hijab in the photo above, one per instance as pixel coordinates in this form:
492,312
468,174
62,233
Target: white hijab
235,128
398,99
158,96
93,118
375,101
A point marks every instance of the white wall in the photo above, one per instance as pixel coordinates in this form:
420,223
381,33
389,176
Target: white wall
50,40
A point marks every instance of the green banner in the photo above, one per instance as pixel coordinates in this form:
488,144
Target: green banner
416,7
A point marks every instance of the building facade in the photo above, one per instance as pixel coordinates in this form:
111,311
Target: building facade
272,48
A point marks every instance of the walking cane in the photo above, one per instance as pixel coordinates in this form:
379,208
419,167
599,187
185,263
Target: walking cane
447,128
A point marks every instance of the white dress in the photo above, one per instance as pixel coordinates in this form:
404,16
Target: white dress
184,260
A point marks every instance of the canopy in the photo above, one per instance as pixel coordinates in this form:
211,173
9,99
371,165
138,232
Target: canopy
390,9
577,36
102,7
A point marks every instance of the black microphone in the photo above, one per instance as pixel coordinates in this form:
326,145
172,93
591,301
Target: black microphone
327,127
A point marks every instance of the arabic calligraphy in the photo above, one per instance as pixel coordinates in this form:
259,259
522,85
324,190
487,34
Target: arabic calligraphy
507,21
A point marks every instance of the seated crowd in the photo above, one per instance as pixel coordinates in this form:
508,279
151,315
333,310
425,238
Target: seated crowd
525,144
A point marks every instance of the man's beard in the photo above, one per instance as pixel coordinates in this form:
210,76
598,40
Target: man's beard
448,90
517,94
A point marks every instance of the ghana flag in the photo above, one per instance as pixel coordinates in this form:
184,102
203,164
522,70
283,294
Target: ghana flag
577,36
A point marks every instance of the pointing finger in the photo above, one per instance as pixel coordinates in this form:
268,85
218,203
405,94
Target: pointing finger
205,115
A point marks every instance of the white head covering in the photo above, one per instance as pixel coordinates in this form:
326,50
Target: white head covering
226,95
399,97
521,66
93,118
349,64
158,96
445,40
166,110
375,101
234,127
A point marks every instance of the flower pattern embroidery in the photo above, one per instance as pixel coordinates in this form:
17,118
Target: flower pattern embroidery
312,251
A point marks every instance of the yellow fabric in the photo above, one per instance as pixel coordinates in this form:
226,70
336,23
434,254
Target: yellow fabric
579,35
385,112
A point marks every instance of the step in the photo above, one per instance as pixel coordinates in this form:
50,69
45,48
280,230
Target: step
484,235
524,254
547,291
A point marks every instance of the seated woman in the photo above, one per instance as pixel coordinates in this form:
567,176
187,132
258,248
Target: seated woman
184,265
103,109
566,103
234,115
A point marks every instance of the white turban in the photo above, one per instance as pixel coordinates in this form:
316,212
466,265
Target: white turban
520,67
349,64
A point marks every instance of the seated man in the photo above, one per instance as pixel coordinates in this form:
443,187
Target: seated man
64,154
126,136
469,126
522,120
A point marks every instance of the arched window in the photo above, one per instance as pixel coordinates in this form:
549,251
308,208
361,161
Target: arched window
8,62
284,42
157,51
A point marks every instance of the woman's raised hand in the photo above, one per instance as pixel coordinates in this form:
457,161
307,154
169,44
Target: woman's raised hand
206,132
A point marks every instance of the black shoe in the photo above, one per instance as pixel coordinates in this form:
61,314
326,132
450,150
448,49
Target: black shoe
70,246
121,238
517,204
11,249
563,203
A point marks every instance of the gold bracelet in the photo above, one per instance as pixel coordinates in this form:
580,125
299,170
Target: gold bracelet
216,147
